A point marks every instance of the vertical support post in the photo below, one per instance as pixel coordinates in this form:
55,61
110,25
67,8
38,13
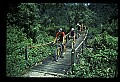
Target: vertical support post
26,53
72,60
75,57
72,56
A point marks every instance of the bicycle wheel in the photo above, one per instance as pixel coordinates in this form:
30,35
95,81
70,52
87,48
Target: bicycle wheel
72,43
61,51
56,55
58,52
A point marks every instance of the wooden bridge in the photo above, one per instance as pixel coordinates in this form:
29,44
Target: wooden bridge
49,68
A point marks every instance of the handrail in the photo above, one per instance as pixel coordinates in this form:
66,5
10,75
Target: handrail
39,45
81,42
67,33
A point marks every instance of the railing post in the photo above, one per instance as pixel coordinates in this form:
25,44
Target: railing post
72,56
26,53
72,59
75,57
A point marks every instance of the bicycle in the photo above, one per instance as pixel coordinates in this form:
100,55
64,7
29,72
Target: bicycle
58,50
72,41
78,33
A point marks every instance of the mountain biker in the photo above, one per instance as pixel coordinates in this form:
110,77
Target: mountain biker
72,34
61,36
79,27
84,28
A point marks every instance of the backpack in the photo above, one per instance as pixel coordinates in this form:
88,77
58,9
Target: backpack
78,27
60,36
72,33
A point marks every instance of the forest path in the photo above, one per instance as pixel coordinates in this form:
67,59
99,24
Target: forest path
50,68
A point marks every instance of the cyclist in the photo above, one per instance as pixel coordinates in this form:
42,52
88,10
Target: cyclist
72,34
79,26
84,28
61,35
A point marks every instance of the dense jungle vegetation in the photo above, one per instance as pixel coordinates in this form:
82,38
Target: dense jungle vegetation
36,23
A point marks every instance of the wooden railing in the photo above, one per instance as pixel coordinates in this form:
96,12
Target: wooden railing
78,51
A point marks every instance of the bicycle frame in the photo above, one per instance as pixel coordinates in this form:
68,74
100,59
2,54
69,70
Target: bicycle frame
72,41
58,51
78,33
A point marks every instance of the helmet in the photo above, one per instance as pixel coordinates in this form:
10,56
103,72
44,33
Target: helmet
72,29
60,30
77,23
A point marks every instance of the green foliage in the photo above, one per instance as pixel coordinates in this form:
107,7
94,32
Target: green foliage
112,28
16,42
104,40
103,62
100,65
15,50
23,33
89,18
102,10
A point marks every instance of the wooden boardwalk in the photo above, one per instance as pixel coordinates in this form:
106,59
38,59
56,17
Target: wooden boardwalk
50,68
